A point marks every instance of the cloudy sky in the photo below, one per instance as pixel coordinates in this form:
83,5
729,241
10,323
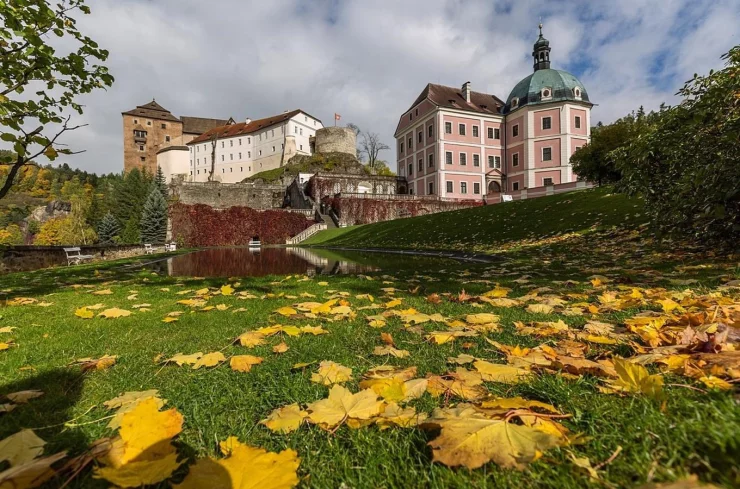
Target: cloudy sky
369,59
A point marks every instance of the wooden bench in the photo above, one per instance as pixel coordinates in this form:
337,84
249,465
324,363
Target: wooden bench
75,256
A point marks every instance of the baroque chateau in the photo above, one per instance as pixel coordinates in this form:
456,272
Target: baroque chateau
454,144
462,144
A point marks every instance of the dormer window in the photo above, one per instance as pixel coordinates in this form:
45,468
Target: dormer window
514,102
547,93
577,93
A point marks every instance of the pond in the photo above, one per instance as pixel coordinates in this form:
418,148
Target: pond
250,262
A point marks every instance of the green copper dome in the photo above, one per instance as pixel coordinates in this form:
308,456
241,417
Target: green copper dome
563,86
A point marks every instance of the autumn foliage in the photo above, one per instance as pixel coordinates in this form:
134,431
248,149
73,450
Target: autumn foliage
201,225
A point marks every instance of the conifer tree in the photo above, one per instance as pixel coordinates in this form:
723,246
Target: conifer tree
154,218
108,229
160,181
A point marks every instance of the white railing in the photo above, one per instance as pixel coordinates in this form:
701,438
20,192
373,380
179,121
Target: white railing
306,233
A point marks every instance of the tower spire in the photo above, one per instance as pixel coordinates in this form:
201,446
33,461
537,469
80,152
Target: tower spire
541,52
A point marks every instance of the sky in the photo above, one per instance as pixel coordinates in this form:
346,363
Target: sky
369,59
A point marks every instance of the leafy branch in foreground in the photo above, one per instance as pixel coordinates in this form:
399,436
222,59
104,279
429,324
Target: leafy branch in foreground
29,61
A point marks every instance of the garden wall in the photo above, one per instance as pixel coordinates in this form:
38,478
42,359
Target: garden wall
256,195
362,209
201,225
26,258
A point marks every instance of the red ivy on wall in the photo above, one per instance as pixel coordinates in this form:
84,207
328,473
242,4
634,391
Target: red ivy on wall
366,210
201,225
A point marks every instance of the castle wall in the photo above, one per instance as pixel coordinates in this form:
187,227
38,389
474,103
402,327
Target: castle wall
222,196
133,154
336,140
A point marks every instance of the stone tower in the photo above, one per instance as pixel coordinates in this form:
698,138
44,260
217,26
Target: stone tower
146,130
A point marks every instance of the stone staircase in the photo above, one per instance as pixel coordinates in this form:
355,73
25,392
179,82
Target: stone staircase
306,233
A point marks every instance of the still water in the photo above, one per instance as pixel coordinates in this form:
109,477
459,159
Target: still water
246,262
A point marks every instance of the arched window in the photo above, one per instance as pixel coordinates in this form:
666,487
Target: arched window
577,93
494,187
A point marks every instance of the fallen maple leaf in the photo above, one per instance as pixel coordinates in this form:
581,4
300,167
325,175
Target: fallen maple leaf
244,467
342,405
22,397
635,378
285,419
244,363
331,373
209,360
114,313
494,372
389,350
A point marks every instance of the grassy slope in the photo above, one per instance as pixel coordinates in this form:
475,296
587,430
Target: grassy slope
486,228
327,162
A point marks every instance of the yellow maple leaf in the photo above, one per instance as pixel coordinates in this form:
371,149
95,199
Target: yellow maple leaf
390,350
280,348
394,415
244,467
539,308
314,330
286,311
473,442
244,363
285,419
481,318
227,290
103,292
713,382
143,453
114,313
20,448
170,319
209,360
181,359
250,339
635,378
331,373
342,405
84,313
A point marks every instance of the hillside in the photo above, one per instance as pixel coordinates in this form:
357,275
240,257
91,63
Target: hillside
337,162
489,228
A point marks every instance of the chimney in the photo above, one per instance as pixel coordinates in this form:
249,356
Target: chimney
248,120
466,91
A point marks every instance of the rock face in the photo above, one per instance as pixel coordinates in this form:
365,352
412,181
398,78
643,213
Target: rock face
55,208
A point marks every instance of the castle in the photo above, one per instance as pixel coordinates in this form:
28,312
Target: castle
460,144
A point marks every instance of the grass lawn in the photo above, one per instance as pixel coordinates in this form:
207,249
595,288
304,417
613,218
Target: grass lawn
489,228
689,428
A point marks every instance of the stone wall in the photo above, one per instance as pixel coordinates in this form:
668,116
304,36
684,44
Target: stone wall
329,184
366,209
26,258
257,195
336,140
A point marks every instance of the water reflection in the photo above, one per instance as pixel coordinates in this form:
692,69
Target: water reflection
246,262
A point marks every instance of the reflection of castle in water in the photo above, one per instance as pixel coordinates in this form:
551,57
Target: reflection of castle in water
245,262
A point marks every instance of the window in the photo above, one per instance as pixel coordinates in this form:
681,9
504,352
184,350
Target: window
240,156
497,133
143,158
296,129
449,187
577,93
141,148
164,126
546,154
497,162
475,132
223,170
136,121
411,144
461,129
240,141
547,123
421,137
431,131
198,161
273,149
430,163
547,182
514,103
148,123
231,170
411,116
260,153
249,140
421,165
301,148
241,169
261,135
515,159
491,161
231,143
515,186
222,157
448,157
463,187
490,133
166,139
249,154
515,130
431,188
448,127
416,112
411,169
197,148
401,147
476,160
476,188
231,156
222,144
546,93
578,122
301,131
463,159
139,134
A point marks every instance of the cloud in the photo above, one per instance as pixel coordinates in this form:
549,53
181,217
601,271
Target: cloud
369,60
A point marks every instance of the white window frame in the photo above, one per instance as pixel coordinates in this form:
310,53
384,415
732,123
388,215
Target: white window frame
514,185
448,157
543,153
476,131
549,93
476,163
514,159
450,186
463,159
549,119
515,129
577,122
464,188
544,182
476,185
462,129
448,127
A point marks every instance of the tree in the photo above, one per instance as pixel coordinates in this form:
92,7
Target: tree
130,233
154,218
27,59
160,181
371,146
11,235
108,229
129,196
686,164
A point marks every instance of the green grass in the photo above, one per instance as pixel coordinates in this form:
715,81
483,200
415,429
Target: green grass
488,228
694,432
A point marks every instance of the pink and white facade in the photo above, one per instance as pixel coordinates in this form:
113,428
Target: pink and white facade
460,144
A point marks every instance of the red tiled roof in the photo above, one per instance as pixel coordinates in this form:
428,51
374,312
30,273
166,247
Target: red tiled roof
241,128
453,98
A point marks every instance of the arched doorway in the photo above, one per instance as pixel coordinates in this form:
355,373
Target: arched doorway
402,189
494,192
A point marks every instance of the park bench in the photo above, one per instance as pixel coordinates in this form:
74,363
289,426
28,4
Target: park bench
75,256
